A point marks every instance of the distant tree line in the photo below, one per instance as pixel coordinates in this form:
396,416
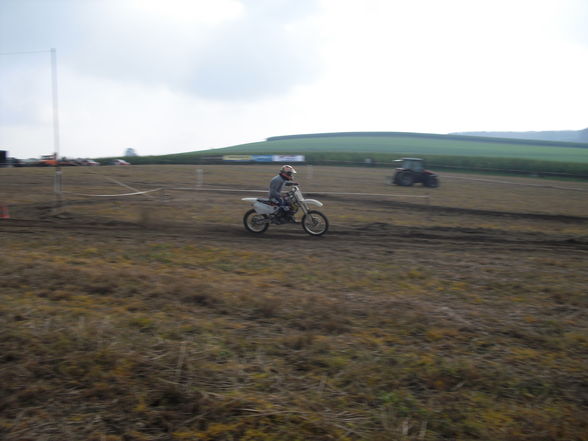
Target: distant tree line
435,162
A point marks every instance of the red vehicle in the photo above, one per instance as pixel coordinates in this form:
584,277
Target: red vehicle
51,161
412,171
48,161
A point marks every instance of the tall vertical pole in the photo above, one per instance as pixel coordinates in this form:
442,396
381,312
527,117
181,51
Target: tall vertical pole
57,183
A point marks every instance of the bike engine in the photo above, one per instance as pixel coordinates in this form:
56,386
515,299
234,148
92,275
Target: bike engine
278,218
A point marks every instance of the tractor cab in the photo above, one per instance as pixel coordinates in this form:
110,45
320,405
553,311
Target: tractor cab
412,171
414,164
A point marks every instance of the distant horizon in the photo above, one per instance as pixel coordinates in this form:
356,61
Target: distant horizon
519,131
345,133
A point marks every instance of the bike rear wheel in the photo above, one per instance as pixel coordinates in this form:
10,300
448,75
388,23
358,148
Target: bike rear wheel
254,222
315,223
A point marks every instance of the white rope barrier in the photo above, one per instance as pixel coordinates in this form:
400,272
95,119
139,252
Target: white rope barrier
371,194
216,189
112,195
306,192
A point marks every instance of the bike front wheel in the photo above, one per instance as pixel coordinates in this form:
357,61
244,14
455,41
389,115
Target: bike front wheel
315,223
254,222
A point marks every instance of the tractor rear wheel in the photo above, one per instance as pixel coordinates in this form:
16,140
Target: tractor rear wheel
394,179
406,179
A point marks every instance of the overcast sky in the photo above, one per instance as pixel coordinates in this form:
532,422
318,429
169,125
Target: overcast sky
170,76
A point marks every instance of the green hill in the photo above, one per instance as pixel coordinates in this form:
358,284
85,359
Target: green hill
413,144
381,148
551,135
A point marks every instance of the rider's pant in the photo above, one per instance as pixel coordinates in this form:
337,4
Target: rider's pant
283,204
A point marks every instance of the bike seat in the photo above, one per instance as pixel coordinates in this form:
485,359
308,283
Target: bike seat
266,201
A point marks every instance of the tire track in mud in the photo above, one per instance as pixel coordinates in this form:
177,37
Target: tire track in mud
371,235
44,211
437,209
519,184
375,235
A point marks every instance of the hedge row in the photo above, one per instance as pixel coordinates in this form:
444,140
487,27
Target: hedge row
462,163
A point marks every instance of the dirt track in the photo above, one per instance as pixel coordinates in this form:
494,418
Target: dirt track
363,237
467,213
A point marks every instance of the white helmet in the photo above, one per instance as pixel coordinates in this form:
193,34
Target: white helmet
287,171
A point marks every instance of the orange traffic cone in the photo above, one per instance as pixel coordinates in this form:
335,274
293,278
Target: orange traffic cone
4,212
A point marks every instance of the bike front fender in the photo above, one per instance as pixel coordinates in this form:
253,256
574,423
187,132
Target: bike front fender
313,202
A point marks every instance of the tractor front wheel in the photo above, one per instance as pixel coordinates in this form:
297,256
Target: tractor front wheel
432,182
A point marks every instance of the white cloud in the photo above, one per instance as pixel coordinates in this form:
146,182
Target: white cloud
184,12
214,48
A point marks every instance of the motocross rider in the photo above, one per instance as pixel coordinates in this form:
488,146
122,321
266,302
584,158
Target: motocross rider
275,190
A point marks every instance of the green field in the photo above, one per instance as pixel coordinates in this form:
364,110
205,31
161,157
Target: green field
442,152
417,145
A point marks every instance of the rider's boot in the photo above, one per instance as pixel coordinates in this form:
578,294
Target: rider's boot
288,216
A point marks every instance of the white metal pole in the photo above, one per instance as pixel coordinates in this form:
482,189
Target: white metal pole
57,184
55,103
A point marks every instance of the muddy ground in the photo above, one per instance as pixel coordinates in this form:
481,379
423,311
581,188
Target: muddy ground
472,227
423,314
467,212
466,220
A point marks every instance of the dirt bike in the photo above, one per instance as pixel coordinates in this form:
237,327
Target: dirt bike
266,212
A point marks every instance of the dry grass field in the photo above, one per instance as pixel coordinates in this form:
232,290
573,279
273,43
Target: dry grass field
456,313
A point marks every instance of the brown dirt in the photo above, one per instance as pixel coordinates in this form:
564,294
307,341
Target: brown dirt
372,239
461,314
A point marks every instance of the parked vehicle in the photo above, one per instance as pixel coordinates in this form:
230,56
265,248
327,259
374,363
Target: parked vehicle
52,161
47,161
16,162
412,171
265,212
120,162
68,162
29,162
88,162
